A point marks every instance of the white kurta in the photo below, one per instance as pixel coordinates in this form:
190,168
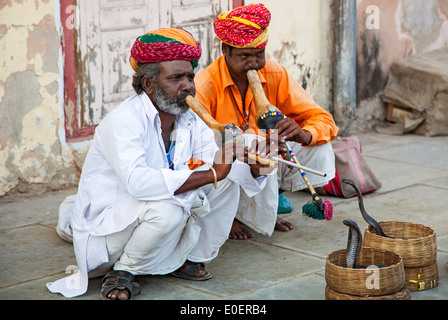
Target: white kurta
126,166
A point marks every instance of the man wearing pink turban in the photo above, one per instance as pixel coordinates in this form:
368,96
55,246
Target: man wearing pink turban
244,27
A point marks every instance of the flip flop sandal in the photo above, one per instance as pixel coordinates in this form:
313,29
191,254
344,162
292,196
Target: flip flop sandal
190,272
123,280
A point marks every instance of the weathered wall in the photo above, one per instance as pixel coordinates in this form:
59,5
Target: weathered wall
301,39
388,30
33,157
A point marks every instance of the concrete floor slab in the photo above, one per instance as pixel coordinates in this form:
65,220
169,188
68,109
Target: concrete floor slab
247,266
31,252
394,175
307,287
434,154
288,266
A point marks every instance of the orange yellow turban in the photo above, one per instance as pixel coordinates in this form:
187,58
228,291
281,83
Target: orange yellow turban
244,27
165,45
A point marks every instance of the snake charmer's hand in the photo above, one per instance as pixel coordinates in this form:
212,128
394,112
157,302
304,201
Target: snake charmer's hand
222,163
263,149
225,156
289,130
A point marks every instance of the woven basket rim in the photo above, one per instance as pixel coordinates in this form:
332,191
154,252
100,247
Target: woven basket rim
342,251
431,235
416,252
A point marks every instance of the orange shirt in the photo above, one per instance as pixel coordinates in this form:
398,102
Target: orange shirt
282,91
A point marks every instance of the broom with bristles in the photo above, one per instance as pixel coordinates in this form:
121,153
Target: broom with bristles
267,116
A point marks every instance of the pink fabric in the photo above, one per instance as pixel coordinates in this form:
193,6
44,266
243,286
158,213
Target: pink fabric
241,27
164,51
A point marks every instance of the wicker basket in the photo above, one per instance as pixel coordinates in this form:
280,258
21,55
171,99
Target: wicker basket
355,282
422,278
415,243
403,294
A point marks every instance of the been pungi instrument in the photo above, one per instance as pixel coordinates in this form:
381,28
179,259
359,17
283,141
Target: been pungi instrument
268,115
230,131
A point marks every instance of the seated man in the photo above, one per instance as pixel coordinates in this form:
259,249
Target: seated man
140,209
223,89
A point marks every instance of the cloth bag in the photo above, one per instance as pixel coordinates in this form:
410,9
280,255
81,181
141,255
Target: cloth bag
350,164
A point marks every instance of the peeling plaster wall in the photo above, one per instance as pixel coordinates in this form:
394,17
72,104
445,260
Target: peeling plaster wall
398,29
33,157
301,38
405,28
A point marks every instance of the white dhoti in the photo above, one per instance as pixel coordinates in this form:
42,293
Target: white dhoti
319,157
163,236
159,240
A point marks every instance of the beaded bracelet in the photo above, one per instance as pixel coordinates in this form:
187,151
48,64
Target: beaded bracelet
270,114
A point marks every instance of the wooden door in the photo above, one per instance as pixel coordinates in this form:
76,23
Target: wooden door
108,28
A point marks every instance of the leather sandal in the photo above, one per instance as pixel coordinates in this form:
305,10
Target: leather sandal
123,280
189,271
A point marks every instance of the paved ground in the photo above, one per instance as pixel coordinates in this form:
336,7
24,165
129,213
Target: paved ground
287,266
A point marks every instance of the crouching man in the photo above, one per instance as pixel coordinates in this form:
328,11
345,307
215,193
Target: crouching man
140,208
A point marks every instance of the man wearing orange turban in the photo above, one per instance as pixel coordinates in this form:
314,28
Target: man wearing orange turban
140,209
165,45
223,89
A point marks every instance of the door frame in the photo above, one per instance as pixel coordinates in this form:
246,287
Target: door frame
71,73
73,131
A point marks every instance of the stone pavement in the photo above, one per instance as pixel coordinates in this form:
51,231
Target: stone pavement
287,266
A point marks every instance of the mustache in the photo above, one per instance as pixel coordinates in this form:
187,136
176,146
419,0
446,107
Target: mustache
181,97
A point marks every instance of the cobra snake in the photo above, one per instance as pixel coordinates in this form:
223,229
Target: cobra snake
354,243
372,222
354,246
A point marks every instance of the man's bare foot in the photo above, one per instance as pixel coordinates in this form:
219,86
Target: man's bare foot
239,231
283,225
118,294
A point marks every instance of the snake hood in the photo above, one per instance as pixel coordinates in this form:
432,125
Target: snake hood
354,243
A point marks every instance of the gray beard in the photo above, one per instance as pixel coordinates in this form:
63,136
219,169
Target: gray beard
171,106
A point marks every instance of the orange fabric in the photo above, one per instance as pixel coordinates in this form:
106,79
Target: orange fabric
194,163
173,33
281,90
177,34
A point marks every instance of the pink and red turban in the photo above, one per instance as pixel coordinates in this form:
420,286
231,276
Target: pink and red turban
165,45
244,27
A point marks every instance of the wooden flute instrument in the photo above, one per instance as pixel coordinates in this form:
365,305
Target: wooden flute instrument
268,114
231,131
